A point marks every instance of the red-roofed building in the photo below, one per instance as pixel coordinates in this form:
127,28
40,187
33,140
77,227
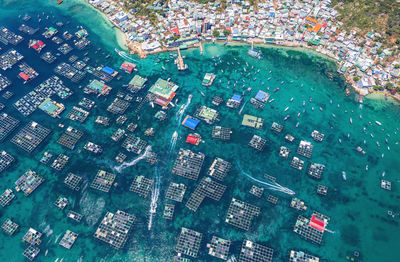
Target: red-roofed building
317,223
175,30
24,76
192,139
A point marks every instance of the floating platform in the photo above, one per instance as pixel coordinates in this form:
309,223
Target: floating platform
50,32
121,120
297,163
190,122
217,100
7,36
92,147
103,181
256,191
387,185
28,182
181,259
73,181
65,49
252,121
134,144
48,57
272,199
27,29
322,190
254,252
74,216
70,72
78,114
311,229
301,256
27,104
219,247
305,149
136,84
51,107
222,133
70,137
68,239
241,214
169,211
207,114
9,227
289,138
317,136
120,158
234,101
60,162
86,103
316,170
262,96
32,237
257,143
9,59
45,159
6,197
298,204
276,127
206,188
4,82
284,152
102,120
208,79
31,252
188,164
128,67
114,228
219,169
118,134
118,106
61,202
189,242
5,160
142,186
175,192
54,86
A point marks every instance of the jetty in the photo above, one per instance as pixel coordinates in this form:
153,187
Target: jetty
179,61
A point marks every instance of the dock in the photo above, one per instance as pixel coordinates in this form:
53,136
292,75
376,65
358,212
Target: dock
142,186
28,104
28,182
256,191
78,114
219,247
179,62
316,170
68,239
284,152
317,136
188,164
9,59
103,181
9,227
222,133
134,144
301,256
305,149
74,216
6,197
73,181
32,237
252,121
4,82
312,229
297,163
5,160
70,137
60,162
207,188
189,242
118,106
253,252
31,252
219,169
175,192
241,214
61,202
257,143
168,212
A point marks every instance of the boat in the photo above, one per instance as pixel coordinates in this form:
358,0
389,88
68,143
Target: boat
378,123
276,89
297,125
344,175
286,109
366,167
286,118
351,120
291,99
175,134
59,2
334,116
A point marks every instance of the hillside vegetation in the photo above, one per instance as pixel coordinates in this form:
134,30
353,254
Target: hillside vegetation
379,16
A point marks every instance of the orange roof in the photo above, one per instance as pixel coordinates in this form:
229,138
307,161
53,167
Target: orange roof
311,20
317,27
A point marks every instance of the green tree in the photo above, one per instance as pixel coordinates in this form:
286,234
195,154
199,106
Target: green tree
356,79
226,32
215,33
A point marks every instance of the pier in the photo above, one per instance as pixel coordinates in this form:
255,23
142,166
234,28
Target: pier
179,61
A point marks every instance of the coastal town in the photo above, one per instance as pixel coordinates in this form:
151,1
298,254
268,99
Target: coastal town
365,62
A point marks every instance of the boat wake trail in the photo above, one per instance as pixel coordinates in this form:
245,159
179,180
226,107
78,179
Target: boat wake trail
124,55
155,192
145,154
172,144
182,110
272,185
241,109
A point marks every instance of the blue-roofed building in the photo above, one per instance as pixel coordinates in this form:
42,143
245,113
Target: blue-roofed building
108,70
237,98
190,122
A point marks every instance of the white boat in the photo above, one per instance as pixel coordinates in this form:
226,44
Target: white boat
378,123
344,175
351,120
286,109
366,167
291,99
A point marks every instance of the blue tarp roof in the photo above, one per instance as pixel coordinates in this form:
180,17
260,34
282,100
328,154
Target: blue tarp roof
190,122
108,70
261,95
237,97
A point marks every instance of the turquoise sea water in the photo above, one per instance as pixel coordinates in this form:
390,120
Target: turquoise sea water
357,207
